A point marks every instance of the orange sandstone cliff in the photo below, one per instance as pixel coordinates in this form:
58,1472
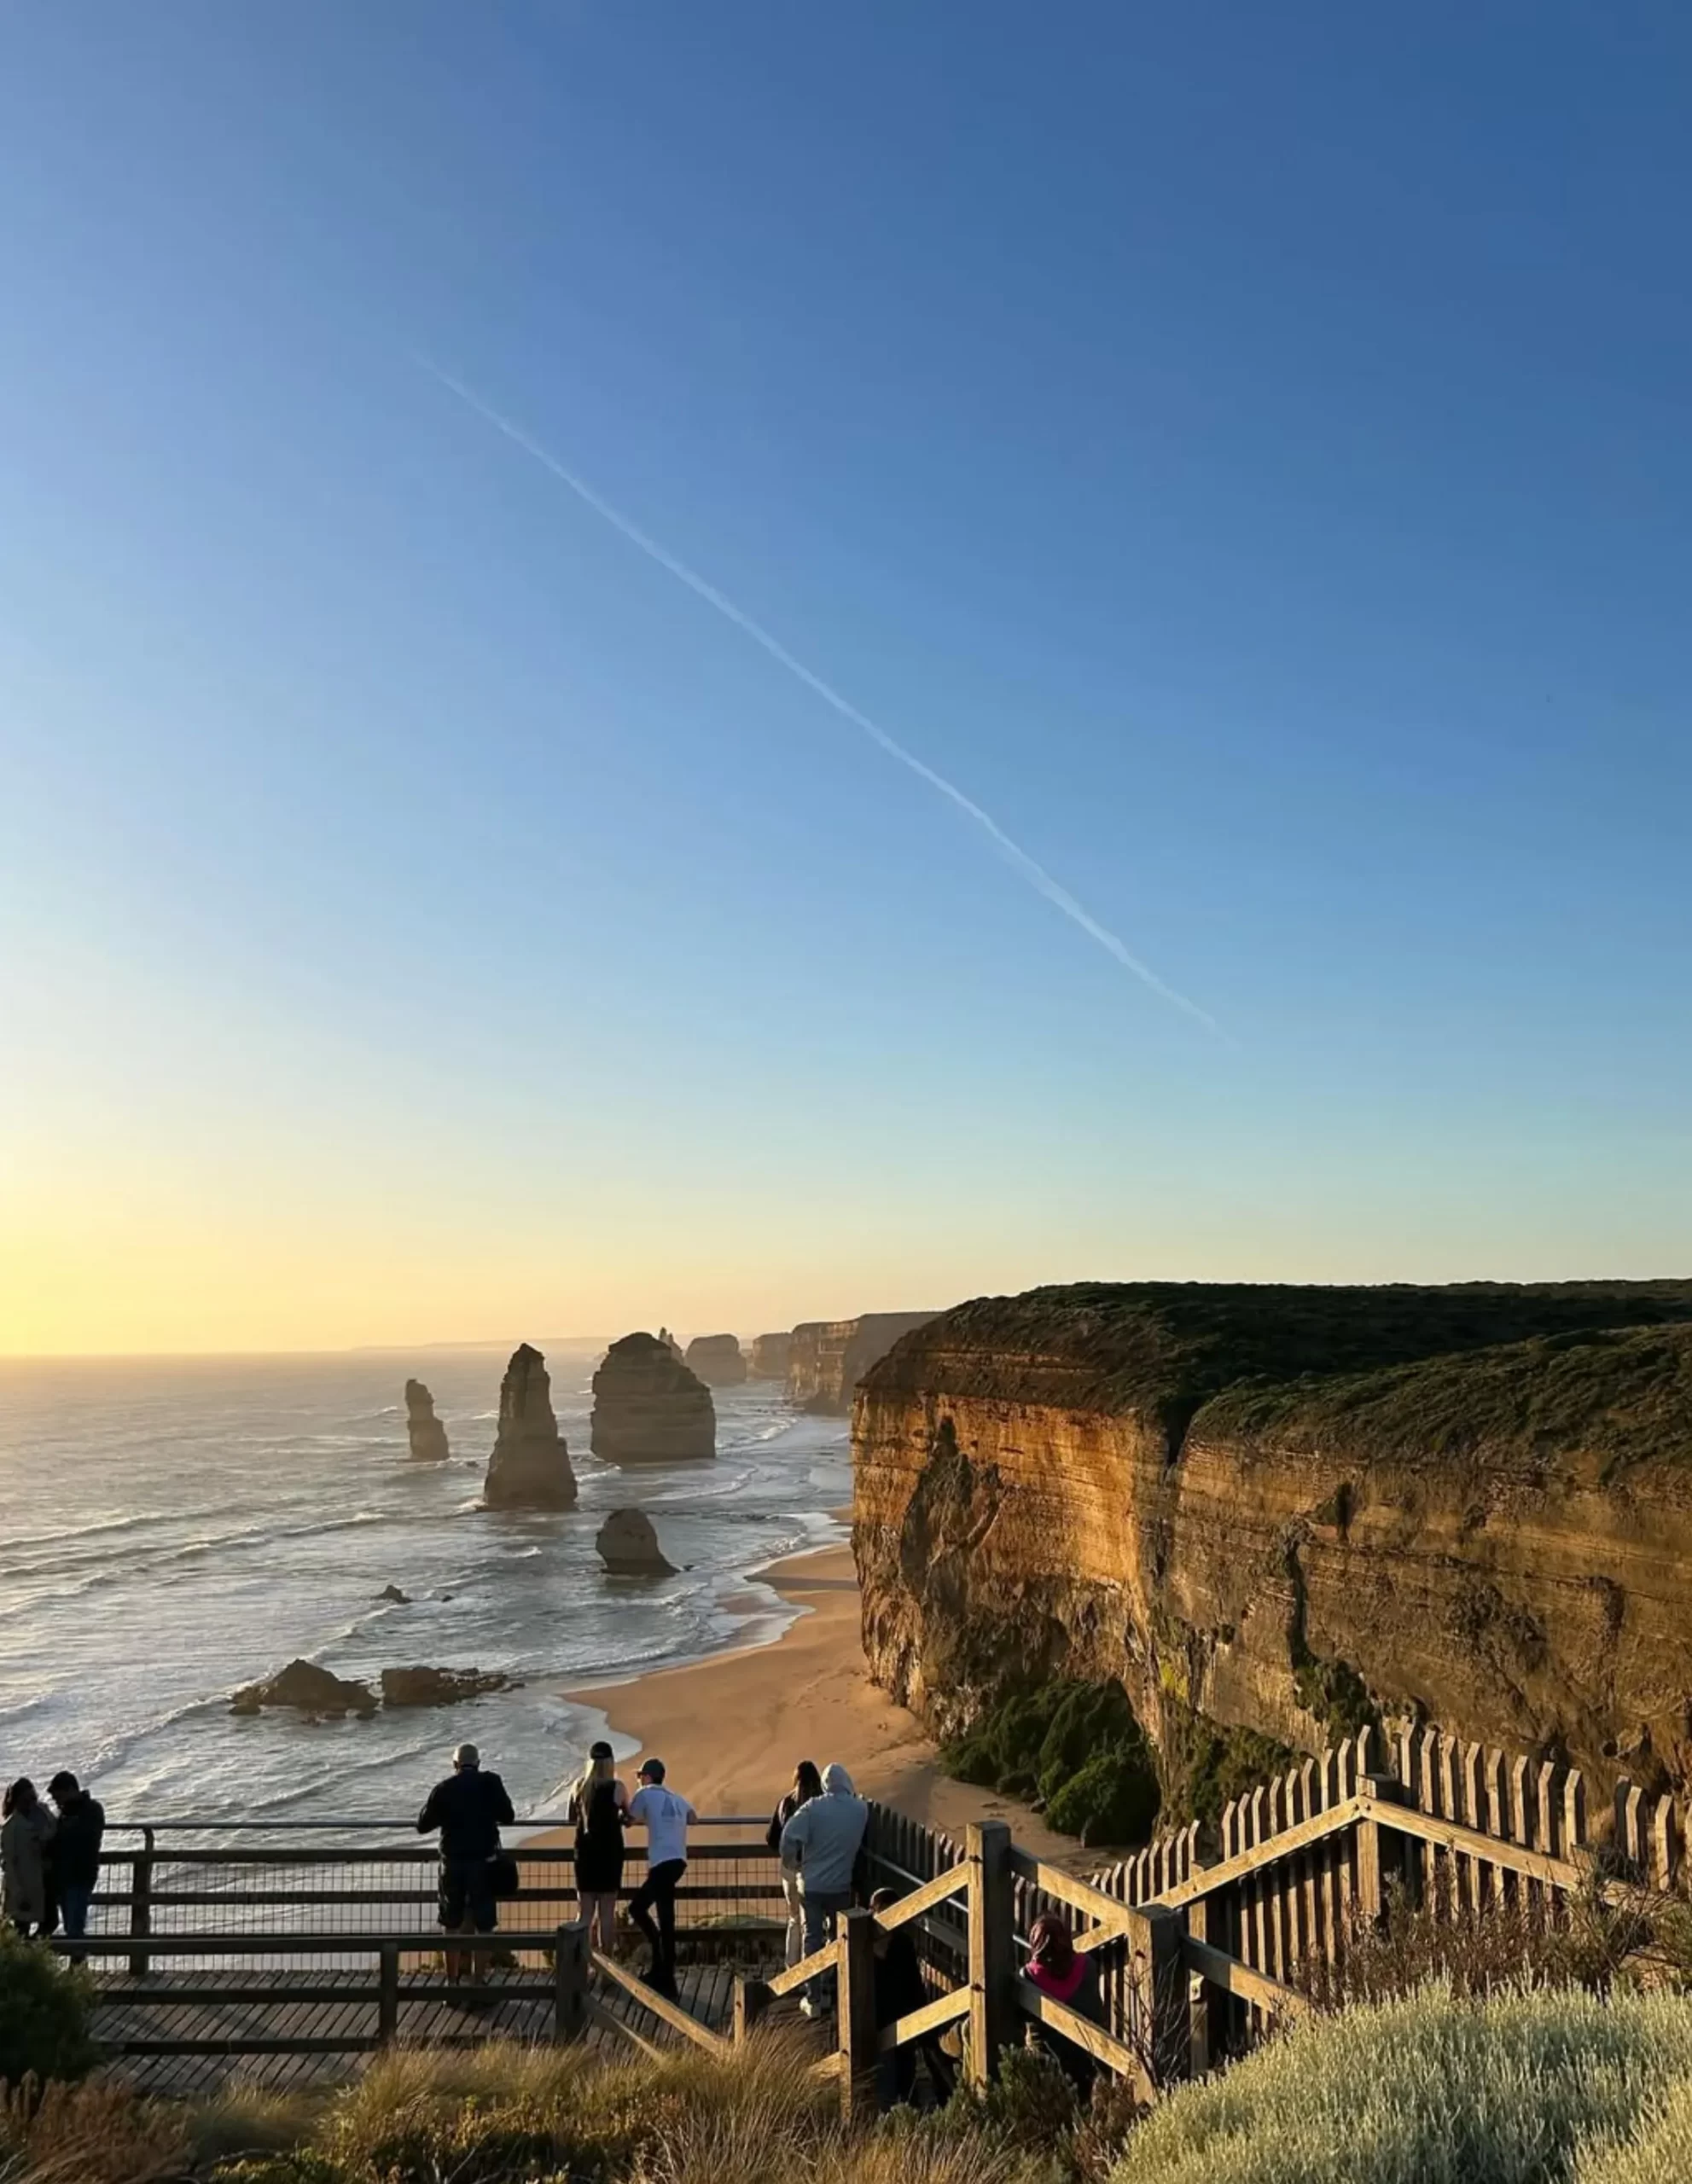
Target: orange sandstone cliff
1278,1509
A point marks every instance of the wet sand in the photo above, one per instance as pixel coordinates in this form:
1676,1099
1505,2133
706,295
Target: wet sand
729,1729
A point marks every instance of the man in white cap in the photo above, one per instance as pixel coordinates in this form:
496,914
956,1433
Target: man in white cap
665,1816
468,1808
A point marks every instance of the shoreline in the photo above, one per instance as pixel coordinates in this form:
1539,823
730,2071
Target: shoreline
730,1728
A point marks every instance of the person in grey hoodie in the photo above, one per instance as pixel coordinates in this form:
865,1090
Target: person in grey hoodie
821,1843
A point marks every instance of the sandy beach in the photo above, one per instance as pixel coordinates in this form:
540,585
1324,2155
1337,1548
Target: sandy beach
729,1729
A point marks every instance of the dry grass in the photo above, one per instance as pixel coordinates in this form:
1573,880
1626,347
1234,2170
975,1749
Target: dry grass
89,2134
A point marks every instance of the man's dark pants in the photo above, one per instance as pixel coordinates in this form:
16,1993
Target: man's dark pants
658,1891
467,1890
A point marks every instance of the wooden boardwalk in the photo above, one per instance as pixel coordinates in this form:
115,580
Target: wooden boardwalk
341,2008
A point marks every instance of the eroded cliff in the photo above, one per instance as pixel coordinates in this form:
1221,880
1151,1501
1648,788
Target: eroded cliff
828,1358
1271,1508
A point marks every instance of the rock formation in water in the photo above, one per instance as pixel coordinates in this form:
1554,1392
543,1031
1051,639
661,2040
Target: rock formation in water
650,1408
670,1342
828,1358
770,1354
427,1434
717,1359
1278,1509
628,1546
425,1687
392,1594
530,1466
310,1690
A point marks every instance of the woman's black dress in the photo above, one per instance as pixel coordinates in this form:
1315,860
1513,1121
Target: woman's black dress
599,1842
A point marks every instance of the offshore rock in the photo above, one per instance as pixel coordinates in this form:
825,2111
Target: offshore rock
423,1687
650,1408
392,1592
669,1342
770,1354
628,1546
717,1359
530,1466
1278,1508
308,1688
828,1358
425,1431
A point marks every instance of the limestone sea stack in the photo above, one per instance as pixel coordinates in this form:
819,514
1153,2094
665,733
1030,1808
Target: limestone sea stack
770,1354
669,1342
650,1407
530,1466
628,1546
717,1359
425,1431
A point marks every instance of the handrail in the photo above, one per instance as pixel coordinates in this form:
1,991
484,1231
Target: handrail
1235,1978
224,1942
661,2006
943,1887
1103,2045
408,1824
808,1968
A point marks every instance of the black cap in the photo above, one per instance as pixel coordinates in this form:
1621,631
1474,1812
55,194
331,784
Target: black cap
600,1751
652,1770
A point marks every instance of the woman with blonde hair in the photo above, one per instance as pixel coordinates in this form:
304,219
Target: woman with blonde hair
598,1804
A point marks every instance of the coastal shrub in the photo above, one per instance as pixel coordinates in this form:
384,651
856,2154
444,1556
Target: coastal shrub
1522,2089
1207,1766
1112,1799
46,2009
1077,1747
87,2134
1660,2148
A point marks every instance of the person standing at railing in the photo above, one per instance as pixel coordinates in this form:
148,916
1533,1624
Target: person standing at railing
821,1843
25,1829
74,1855
665,1816
900,1991
807,1785
597,1804
469,1808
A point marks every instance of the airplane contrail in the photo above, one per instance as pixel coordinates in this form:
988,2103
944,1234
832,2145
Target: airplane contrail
1014,855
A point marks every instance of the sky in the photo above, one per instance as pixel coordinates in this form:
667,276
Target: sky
1109,699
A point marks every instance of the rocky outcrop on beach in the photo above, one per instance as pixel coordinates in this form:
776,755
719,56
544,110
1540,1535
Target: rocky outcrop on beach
770,1354
1280,1508
530,1466
425,1431
424,1686
828,1358
628,1546
650,1408
309,1690
717,1359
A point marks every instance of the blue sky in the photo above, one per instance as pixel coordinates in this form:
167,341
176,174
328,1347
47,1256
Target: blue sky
1245,450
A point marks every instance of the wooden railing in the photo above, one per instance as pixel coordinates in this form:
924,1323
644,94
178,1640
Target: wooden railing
1194,1960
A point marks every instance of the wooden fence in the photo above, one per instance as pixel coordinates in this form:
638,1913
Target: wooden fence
1194,1959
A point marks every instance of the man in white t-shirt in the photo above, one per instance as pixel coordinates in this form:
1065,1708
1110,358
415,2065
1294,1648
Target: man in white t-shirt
665,1816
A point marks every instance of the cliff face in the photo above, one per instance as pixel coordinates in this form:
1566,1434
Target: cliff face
769,1354
828,1358
649,1408
530,1466
1260,1505
717,1359
423,1430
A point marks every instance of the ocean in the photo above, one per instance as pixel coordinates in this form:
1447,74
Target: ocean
170,1529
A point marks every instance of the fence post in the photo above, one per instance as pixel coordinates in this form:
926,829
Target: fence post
1371,1902
992,1948
141,1903
387,1994
1202,2035
569,1982
1159,1973
751,1999
856,2003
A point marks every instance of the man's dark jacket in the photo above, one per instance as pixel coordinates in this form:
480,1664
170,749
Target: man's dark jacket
469,1809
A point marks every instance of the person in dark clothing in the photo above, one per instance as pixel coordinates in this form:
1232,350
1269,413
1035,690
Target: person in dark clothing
597,1804
807,1785
900,1991
468,1808
74,1855
1059,1969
